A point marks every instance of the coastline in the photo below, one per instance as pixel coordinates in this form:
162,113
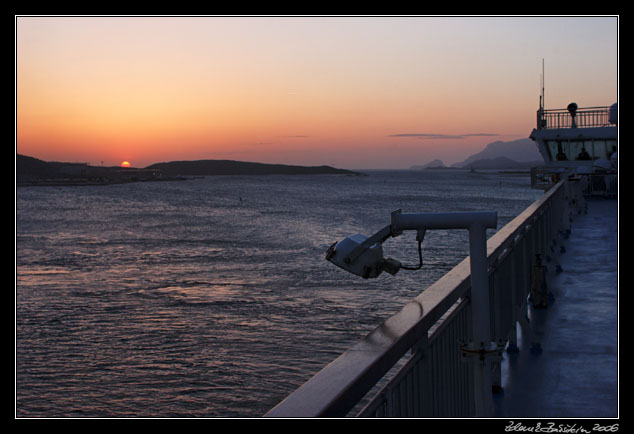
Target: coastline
33,172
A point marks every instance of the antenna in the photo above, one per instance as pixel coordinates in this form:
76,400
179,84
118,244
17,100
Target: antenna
541,121
543,84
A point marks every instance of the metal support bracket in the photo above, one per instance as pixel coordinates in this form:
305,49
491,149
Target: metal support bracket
480,353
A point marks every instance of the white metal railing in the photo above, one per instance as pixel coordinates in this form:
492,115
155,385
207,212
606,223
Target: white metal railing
435,328
587,117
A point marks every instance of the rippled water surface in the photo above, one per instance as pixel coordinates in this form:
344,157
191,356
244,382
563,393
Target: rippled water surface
211,297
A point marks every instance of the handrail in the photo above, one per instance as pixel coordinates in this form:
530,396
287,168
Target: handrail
584,118
339,386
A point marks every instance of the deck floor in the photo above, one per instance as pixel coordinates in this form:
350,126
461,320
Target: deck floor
576,373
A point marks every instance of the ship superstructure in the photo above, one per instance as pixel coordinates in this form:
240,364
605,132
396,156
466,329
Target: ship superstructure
578,142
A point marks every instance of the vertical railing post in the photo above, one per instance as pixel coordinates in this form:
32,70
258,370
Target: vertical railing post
481,344
480,351
517,276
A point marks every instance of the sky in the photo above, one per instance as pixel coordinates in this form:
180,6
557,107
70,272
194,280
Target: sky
355,92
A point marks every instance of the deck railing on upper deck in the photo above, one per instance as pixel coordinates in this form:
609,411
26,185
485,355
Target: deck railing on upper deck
584,118
426,336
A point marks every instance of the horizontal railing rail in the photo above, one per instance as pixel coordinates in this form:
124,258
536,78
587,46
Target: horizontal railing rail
434,380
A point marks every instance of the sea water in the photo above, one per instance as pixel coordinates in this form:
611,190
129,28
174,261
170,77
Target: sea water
212,297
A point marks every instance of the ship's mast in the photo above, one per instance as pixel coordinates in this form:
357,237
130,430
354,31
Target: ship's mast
542,102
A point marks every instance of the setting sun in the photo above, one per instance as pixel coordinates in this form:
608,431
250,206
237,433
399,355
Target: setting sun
125,164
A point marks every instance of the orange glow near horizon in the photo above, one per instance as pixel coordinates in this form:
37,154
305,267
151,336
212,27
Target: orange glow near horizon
352,92
125,164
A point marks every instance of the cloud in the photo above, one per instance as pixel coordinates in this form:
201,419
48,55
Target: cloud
443,136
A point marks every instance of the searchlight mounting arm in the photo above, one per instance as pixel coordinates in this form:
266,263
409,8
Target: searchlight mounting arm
363,255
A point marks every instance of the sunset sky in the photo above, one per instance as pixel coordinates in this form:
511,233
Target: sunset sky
351,92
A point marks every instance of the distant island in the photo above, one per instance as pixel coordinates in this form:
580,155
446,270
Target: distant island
435,164
516,155
32,171
230,167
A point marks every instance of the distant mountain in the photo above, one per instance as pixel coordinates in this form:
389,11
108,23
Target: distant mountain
519,154
431,164
230,167
32,169
29,168
519,151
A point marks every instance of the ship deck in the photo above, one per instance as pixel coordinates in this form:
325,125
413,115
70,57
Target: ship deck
575,373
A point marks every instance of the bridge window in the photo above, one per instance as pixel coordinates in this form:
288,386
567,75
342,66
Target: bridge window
565,150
